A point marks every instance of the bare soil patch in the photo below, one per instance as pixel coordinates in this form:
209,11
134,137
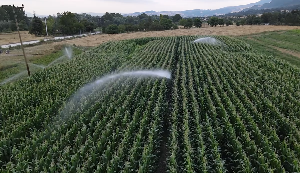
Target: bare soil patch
16,55
8,38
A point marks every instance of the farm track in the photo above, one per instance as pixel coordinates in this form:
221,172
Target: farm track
162,166
285,51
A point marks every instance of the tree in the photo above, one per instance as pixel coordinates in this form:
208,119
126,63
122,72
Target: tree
221,22
166,23
275,19
197,23
23,26
142,16
88,26
257,21
51,27
177,18
243,22
36,26
266,17
182,22
174,26
5,26
7,18
213,21
228,22
10,15
189,23
156,26
121,28
69,24
130,19
112,29
106,16
130,27
166,16
148,23
142,26
3,16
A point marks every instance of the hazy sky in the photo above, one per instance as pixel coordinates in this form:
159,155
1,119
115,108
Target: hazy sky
48,7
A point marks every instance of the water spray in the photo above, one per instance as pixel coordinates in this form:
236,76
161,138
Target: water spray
76,103
208,40
68,52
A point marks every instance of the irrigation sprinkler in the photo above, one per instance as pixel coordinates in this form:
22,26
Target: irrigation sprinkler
20,36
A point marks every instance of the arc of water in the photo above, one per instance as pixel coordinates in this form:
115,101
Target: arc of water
208,40
86,90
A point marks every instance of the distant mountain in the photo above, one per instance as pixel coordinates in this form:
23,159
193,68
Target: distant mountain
203,13
261,11
276,4
260,5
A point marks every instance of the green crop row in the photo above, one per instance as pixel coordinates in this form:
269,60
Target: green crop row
225,109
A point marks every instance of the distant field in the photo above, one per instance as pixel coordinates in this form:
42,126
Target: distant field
226,108
95,40
6,38
228,31
13,65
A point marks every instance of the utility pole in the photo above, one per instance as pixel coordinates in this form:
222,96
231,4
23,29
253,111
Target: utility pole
46,26
20,36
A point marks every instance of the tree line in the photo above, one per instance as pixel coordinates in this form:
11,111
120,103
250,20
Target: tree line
68,23
61,23
214,21
291,18
7,19
113,23
283,17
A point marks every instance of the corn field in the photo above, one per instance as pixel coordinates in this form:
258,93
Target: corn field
226,108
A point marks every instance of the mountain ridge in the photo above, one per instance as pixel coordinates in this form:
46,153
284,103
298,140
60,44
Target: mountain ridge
202,12
262,4
276,4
